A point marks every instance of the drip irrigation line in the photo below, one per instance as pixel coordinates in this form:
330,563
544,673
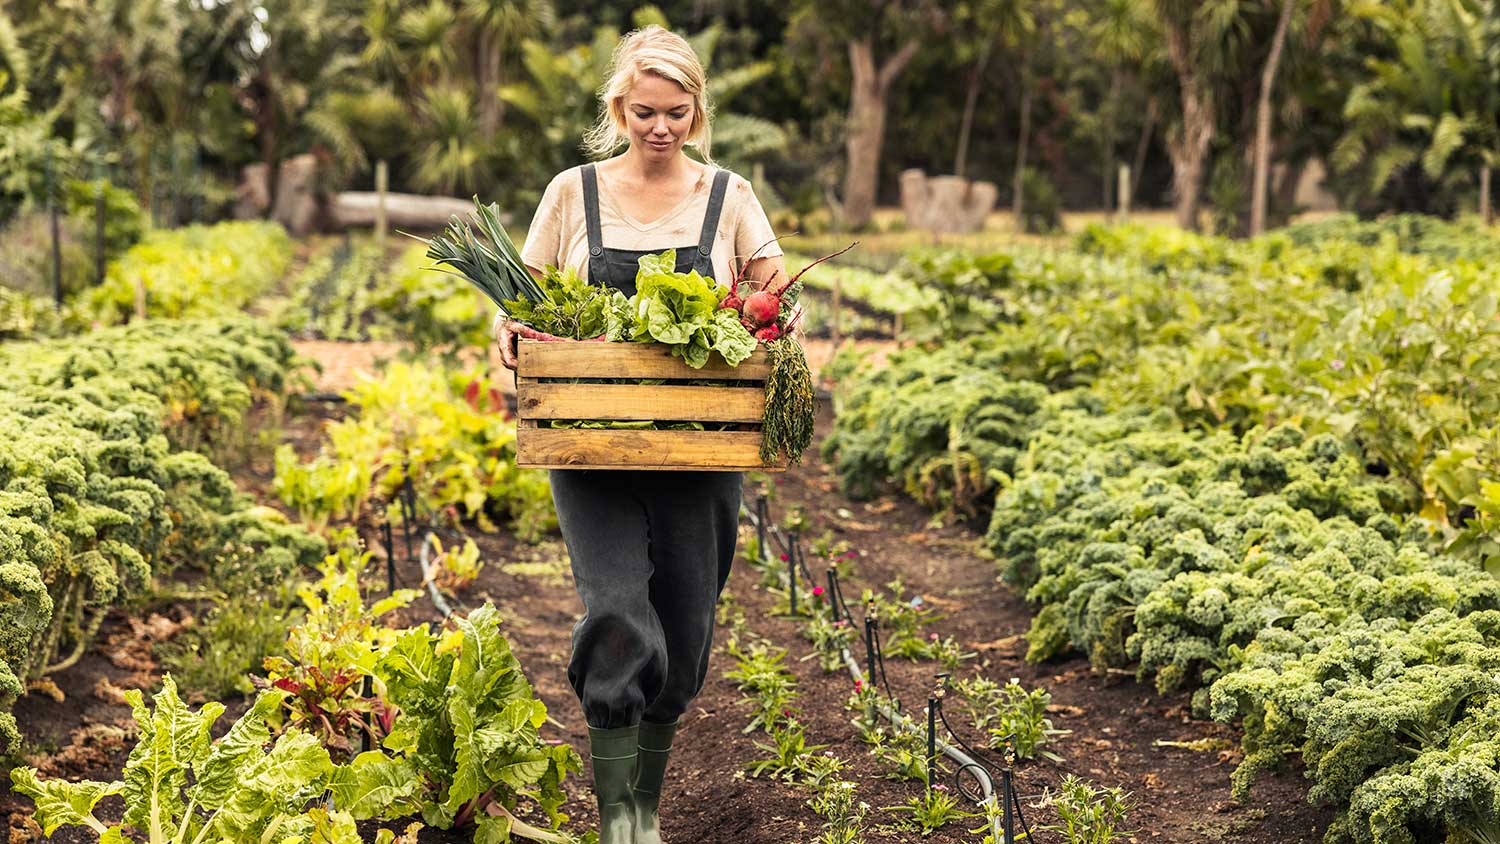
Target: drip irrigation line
891,713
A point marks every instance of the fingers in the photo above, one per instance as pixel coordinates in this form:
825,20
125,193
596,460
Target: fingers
507,342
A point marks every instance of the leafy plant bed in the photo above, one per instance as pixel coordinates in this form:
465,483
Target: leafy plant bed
1114,722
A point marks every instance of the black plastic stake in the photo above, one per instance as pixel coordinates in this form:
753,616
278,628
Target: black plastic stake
408,508
932,705
1008,795
870,643
390,556
762,511
791,572
98,223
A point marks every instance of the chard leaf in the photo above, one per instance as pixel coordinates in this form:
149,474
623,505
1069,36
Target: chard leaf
332,828
172,739
730,339
661,263
374,786
60,803
280,782
217,776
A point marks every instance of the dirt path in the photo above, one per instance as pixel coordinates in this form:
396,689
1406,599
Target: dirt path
1183,795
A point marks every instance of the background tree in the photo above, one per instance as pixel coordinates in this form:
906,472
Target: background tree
880,38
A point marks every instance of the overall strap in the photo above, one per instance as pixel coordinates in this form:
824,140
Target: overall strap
711,218
598,267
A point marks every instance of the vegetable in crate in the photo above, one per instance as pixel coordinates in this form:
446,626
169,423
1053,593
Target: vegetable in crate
492,263
682,311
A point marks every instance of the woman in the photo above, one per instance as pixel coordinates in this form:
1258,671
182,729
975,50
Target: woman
650,550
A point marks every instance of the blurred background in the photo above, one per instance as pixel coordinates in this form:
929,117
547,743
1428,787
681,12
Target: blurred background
197,110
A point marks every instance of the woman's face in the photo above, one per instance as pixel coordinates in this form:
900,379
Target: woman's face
659,114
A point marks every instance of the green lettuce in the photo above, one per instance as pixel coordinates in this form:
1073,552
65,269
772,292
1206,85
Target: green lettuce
681,310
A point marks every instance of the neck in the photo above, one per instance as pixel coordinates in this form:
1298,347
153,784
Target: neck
637,167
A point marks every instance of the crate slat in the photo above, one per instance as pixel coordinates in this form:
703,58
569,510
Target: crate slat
665,402
602,448
582,359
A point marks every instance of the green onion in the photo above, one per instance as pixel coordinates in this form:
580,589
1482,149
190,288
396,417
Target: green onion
489,261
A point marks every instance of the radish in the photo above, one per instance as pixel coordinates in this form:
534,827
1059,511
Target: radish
762,308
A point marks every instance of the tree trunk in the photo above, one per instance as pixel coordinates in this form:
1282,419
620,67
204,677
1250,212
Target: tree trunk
484,83
866,130
1261,180
1188,146
1107,142
971,101
1018,200
1138,164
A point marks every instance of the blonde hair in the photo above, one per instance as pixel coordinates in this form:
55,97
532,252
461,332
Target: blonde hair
656,51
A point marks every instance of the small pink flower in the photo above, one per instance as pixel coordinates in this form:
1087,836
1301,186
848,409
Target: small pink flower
859,685
940,787
817,591
933,637
1336,365
784,558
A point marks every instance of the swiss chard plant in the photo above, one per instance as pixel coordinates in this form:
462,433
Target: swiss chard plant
468,729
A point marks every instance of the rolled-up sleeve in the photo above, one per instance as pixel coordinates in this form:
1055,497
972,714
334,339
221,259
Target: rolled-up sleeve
543,245
753,235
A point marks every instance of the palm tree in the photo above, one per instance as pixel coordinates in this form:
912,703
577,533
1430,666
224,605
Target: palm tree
1121,34
1204,40
427,33
450,153
499,25
1429,107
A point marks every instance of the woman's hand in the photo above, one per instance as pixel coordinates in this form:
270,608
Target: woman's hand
504,331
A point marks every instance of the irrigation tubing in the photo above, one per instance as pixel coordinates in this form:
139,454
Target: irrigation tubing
965,762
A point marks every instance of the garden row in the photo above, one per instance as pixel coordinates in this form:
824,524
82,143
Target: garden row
1296,525
105,486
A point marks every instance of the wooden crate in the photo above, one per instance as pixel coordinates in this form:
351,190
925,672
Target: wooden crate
540,396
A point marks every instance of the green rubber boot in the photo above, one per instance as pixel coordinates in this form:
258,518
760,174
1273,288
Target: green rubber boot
651,770
613,754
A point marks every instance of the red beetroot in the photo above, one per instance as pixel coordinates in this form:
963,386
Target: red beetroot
762,308
731,302
768,333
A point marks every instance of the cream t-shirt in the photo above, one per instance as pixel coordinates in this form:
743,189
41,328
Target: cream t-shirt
559,234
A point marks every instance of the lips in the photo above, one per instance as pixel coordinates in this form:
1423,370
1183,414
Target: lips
660,144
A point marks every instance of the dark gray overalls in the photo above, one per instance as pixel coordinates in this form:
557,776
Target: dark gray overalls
651,550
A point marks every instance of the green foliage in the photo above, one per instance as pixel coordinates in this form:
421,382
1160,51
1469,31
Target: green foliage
124,222
681,310
844,815
1300,578
1042,209
769,687
932,810
1089,815
180,784
468,726
330,656
573,308
447,431
95,501
1012,716
247,622
791,756
198,271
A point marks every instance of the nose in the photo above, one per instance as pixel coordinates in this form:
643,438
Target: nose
661,125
